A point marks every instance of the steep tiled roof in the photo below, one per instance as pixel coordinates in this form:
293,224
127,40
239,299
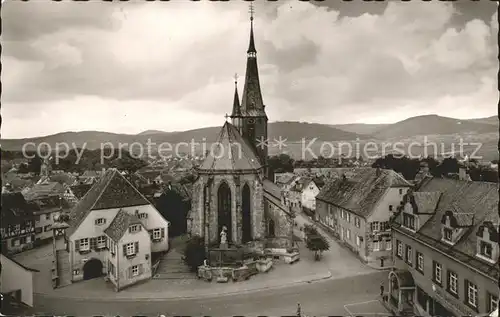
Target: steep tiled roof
111,191
228,156
80,190
426,202
120,224
471,204
361,191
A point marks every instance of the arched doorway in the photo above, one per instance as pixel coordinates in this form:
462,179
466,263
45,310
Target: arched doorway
92,269
246,226
271,229
224,210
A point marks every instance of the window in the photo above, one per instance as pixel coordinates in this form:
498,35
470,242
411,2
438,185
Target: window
100,221
28,239
357,222
388,245
409,255
492,303
471,294
47,216
348,217
112,246
157,234
376,245
399,247
134,228
375,226
401,191
348,234
447,234
130,249
358,241
85,244
390,207
437,272
485,249
47,228
17,227
452,282
101,242
409,221
420,262
135,270
143,215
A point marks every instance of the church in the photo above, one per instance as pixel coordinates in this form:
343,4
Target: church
233,192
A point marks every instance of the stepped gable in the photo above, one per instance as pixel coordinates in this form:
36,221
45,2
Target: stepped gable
120,224
112,190
228,157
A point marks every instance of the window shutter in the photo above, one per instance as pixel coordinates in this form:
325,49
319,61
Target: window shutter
124,249
93,243
466,291
136,247
151,234
129,272
95,221
146,215
77,245
140,227
162,233
106,242
129,229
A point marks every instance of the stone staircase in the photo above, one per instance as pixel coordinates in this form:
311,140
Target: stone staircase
63,268
172,267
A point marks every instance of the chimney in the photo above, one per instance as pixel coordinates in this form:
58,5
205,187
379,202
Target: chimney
378,171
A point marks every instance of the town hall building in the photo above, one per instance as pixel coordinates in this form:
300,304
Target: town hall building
233,192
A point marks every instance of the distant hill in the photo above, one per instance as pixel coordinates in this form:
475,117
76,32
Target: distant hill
292,131
360,128
488,120
148,132
430,125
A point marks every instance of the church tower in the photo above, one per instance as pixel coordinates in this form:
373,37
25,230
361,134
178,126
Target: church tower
254,118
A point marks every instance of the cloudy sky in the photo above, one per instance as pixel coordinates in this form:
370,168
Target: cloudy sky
130,67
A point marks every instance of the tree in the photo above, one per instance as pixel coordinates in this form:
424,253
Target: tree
318,244
194,253
281,163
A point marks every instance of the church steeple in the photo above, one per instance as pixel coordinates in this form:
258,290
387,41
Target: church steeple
236,114
253,115
252,103
251,46
236,101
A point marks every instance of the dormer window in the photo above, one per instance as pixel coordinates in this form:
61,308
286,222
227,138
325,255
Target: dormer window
447,234
487,238
408,221
486,249
390,207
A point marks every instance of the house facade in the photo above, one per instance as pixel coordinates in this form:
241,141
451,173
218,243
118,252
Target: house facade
445,238
88,243
17,227
129,246
358,208
16,284
47,210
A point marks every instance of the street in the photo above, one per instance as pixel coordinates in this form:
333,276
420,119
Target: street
318,298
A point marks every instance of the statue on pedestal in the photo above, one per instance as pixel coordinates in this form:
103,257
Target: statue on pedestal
223,238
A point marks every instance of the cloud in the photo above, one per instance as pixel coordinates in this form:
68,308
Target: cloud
156,62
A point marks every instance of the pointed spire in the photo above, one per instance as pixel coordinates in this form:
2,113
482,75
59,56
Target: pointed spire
251,47
236,102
